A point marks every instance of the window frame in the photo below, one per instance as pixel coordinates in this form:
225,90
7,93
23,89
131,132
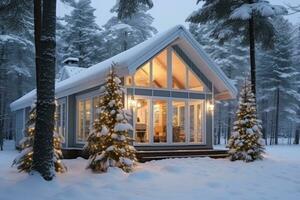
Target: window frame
169,87
83,97
62,103
169,100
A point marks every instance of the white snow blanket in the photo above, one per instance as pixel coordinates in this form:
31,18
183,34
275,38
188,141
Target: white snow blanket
277,177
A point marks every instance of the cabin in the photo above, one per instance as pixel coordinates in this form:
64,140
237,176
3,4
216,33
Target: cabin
170,87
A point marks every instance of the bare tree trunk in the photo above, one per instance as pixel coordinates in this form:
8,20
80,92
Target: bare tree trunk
3,87
125,45
277,116
252,53
297,137
43,140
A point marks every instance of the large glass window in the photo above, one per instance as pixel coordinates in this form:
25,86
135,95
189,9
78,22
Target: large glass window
178,122
84,119
178,72
194,83
60,118
142,121
196,120
160,70
160,121
96,102
142,76
182,77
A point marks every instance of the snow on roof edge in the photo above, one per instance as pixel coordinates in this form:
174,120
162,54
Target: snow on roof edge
94,75
98,70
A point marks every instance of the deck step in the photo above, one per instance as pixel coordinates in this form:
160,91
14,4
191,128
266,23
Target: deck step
145,159
144,156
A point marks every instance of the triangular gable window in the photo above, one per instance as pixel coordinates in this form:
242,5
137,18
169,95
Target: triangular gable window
194,83
182,75
154,73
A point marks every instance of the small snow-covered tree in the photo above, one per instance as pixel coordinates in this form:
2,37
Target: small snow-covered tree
246,141
108,142
24,160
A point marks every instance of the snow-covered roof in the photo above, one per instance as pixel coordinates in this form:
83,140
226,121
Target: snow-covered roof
71,59
69,71
128,61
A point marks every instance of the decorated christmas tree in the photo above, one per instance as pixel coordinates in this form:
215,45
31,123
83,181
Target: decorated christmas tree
24,160
109,144
246,141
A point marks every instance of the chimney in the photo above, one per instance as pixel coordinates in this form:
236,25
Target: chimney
71,61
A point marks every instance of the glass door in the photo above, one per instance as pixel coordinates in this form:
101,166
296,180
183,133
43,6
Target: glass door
160,113
196,117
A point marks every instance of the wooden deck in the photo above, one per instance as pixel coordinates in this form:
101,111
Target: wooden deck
144,156
148,155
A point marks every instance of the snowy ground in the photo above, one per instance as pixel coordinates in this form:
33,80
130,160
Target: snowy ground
277,177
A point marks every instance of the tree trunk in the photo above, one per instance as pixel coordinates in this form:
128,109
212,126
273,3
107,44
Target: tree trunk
20,84
43,140
125,45
297,137
276,117
3,87
252,53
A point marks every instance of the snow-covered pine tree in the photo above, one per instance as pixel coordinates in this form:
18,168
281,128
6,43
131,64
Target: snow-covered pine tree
278,84
246,141
233,60
24,160
108,143
81,36
123,33
16,56
241,18
127,8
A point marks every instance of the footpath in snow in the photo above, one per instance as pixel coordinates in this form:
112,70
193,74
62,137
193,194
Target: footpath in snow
277,177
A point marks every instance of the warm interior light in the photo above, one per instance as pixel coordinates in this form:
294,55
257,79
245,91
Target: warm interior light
156,108
132,103
139,105
210,106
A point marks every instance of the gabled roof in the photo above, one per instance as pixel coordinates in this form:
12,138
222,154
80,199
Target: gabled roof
128,61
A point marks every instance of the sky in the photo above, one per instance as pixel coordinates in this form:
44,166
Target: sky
166,13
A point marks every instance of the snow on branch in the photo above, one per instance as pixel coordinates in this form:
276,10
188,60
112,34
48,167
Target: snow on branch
262,8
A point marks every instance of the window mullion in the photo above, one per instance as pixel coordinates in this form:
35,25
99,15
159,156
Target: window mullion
169,65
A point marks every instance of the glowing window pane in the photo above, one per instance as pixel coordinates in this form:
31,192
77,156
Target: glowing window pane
159,121
178,72
142,76
178,122
160,70
196,120
194,83
142,121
